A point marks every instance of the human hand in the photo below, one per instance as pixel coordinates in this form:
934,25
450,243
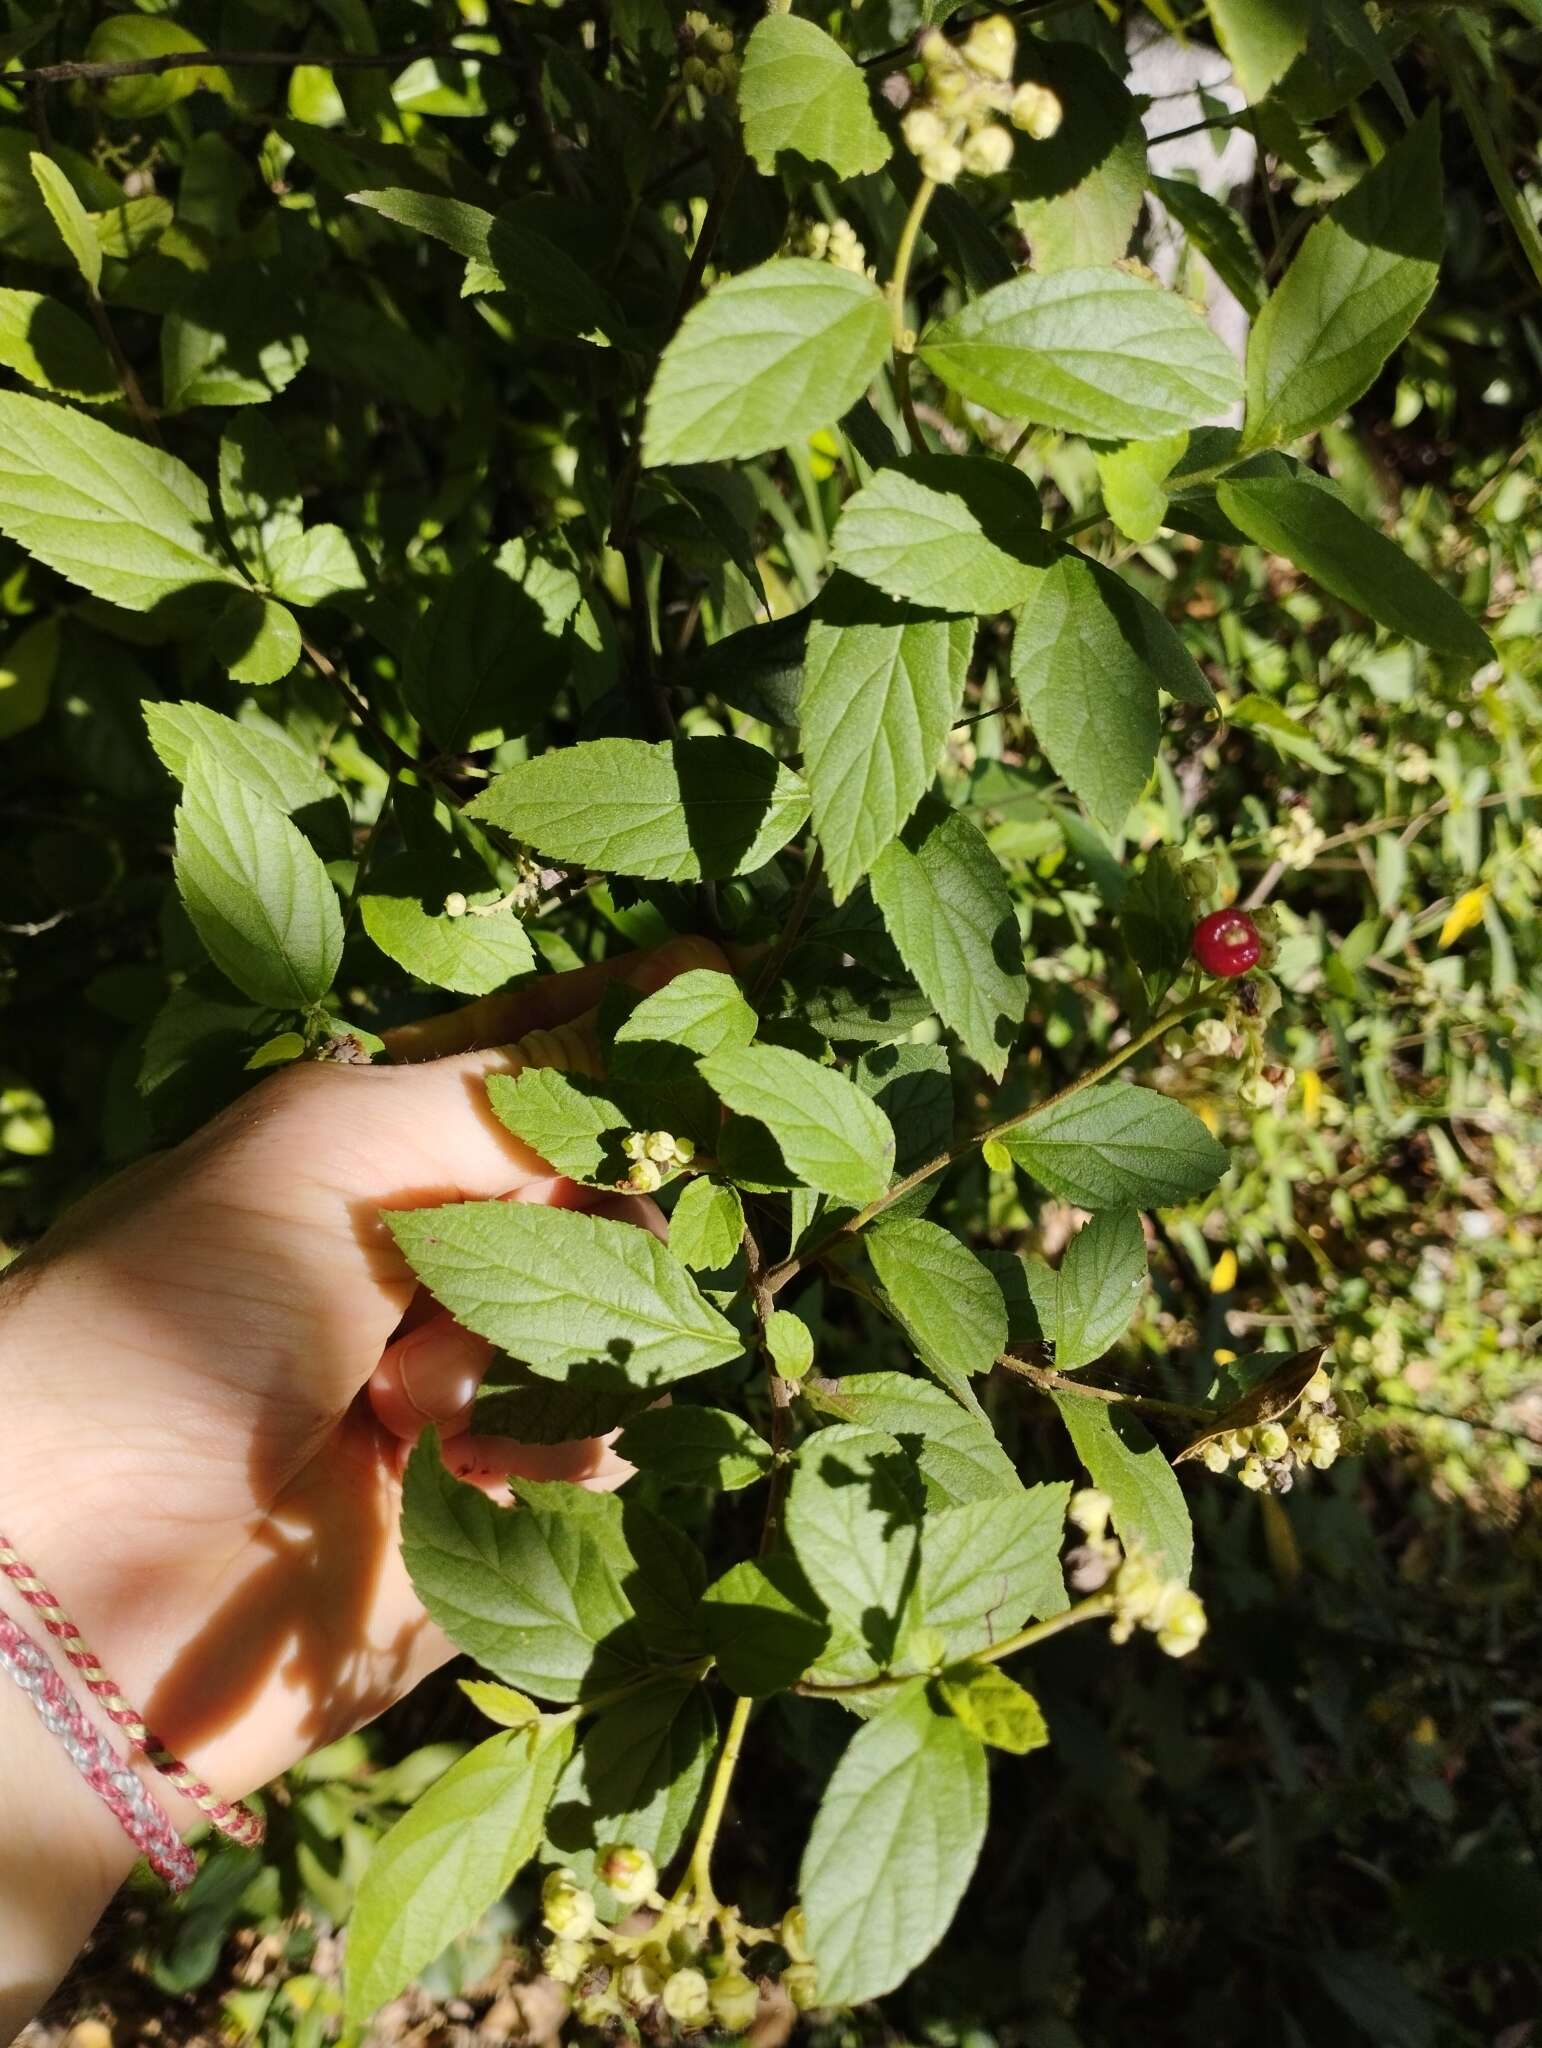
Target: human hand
212,1365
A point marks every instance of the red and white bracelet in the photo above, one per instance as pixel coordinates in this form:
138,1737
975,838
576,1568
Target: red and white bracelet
242,1823
118,1787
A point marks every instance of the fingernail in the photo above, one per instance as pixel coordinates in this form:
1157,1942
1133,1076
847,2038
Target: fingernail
441,1368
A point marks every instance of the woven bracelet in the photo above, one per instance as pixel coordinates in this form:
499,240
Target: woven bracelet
240,1822
119,1787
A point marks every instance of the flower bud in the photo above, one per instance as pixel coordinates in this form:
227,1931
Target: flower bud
988,152
1318,1391
1215,1457
686,1998
638,1985
801,1983
631,1873
1089,1511
1182,1623
693,71
566,1907
565,1961
635,1144
1036,111
943,163
685,1151
1256,1092
735,2001
1272,1440
1252,1474
644,1177
720,39
923,130
714,80
991,46
455,904
1212,1037
793,1934
659,1146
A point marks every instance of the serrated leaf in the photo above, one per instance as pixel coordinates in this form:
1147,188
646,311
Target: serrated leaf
826,1132
1132,475
913,1086
637,1778
259,491
513,1401
994,1708
1127,1463
957,1453
447,1860
957,532
1295,513
947,1300
680,811
254,637
54,348
1263,38
233,337
403,911
702,1010
696,1447
990,1565
1091,351
764,1624
1086,1304
535,1595
881,688
500,1703
1081,188
1221,236
486,658
790,1343
559,1289
1118,1146
947,907
893,1845
853,1518
1353,290
1156,919
121,519
765,359
129,39
799,90
307,568
706,1225
257,752
257,894
70,218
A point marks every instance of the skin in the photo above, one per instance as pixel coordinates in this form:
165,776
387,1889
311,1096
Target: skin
212,1368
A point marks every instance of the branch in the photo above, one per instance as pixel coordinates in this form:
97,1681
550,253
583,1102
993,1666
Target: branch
80,71
1047,1381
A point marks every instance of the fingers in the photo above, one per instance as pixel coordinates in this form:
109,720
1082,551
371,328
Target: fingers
490,1462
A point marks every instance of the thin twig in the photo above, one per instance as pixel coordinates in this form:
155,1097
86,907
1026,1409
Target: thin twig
81,71
1048,1381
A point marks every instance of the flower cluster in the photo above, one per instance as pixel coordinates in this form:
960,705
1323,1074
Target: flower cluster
651,1152
707,59
1142,1596
672,1964
954,125
1271,1454
1298,839
833,242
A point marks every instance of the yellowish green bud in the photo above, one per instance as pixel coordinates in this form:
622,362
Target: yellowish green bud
659,1146
630,1873
714,81
635,1144
801,1983
566,1907
686,1998
793,1935
644,1177
720,39
1272,1439
1036,111
455,904
693,71
638,1985
1256,1092
735,2001
1181,1623
1253,1475
943,163
988,152
1212,1038
685,1151
1318,1390
565,1961
1216,1459
991,46
923,130
1089,1511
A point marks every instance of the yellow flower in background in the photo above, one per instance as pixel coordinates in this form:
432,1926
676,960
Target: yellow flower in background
824,454
1223,1274
1311,1094
1464,913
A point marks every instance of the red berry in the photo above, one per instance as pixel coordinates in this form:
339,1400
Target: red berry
1226,943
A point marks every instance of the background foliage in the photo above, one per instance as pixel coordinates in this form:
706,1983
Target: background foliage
333,522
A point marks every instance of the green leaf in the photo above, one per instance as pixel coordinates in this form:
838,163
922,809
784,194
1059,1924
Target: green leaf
882,686
1132,475
486,658
29,661
637,1777
1118,1146
946,1299
913,1086
854,1522
957,1453
696,1447
799,90
826,1132
129,38
259,492
1085,1305
702,1010
790,1343
232,338
1221,236
764,360
257,894
1091,351
117,517
535,1595
1353,290
54,348
1263,38
1081,189
1128,1464
893,1845
680,811
1286,734
403,911
764,1624
515,1402
1295,513
70,218
994,1708
947,907
706,1225
990,1565
448,1859
558,1289
255,751
957,532
308,568
255,638
1156,918
500,1703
